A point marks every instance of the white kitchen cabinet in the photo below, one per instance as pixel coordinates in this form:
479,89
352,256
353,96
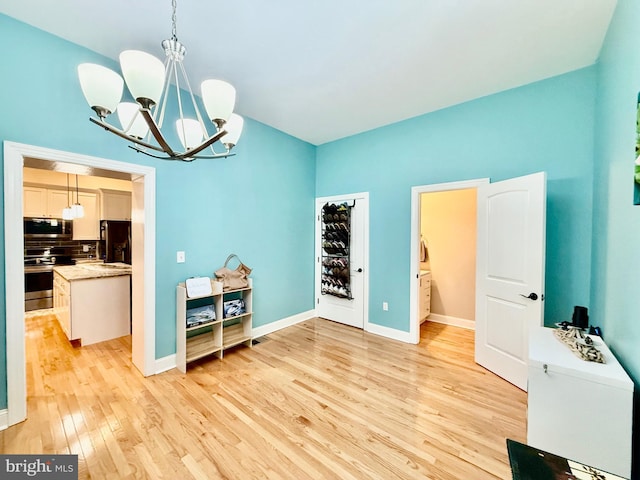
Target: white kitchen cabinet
577,409
94,309
44,202
87,227
34,202
57,200
61,303
425,294
115,205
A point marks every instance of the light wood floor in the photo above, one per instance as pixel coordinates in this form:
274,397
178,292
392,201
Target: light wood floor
316,400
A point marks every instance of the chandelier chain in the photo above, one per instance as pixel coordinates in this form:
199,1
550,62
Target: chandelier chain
174,35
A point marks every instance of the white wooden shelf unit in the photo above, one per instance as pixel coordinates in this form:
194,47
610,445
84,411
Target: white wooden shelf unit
214,337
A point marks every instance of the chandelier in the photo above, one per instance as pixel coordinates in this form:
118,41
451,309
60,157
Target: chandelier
149,81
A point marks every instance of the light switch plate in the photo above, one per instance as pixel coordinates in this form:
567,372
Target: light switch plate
180,257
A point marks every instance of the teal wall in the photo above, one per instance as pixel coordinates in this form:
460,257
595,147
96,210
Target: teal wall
546,126
258,204
592,227
616,256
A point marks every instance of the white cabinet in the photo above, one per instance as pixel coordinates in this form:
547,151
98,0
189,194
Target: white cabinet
93,309
577,409
115,205
214,335
34,202
87,227
57,200
44,202
61,303
425,294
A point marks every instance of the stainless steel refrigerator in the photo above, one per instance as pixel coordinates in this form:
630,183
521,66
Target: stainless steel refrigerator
115,236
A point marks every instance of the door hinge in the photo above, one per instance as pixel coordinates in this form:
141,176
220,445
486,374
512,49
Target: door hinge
317,301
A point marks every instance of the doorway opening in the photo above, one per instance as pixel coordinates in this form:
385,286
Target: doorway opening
421,239
143,261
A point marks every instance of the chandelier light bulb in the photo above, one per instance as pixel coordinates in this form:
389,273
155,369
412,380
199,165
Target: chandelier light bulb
234,129
144,75
189,132
102,87
131,120
219,98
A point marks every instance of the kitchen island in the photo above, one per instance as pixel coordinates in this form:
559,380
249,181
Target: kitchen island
92,301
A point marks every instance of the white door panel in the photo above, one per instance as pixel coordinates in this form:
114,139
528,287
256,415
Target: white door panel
349,311
510,273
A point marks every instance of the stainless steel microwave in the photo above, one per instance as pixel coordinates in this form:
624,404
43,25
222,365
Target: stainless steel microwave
55,228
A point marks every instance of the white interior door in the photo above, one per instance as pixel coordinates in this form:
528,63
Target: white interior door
510,273
349,311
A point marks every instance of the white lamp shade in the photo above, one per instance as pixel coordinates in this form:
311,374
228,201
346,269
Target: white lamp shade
102,87
77,210
67,213
189,132
144,75
234,129
219,98
131,119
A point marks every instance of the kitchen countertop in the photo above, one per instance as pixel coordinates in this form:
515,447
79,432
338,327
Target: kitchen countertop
83,271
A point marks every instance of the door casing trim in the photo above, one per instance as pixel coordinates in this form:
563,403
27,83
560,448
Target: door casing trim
414,309
143,222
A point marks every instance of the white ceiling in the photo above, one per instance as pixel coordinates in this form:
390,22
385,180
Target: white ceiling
326,70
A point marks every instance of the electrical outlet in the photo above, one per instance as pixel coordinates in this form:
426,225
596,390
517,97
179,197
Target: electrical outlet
385,306
180,257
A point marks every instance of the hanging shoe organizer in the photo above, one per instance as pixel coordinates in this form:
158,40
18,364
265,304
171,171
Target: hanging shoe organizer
336,238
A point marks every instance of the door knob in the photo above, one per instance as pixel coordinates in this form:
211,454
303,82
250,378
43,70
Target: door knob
531,296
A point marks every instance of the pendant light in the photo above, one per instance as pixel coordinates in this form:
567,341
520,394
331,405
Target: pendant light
67,213
150,82
76,208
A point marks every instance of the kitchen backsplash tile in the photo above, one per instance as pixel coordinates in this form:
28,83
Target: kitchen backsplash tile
77,246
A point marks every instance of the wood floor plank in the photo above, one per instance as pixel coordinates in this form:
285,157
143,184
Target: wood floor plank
313,401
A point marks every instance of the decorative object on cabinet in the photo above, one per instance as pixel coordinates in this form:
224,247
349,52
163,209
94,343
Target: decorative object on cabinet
579,410
198,286
233,279
336,240
580,344
204,328
233,308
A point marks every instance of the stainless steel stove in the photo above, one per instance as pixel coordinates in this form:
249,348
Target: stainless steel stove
38,274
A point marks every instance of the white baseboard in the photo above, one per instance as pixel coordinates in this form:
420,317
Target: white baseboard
454,321
282,323
4,419
165,363
387,332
